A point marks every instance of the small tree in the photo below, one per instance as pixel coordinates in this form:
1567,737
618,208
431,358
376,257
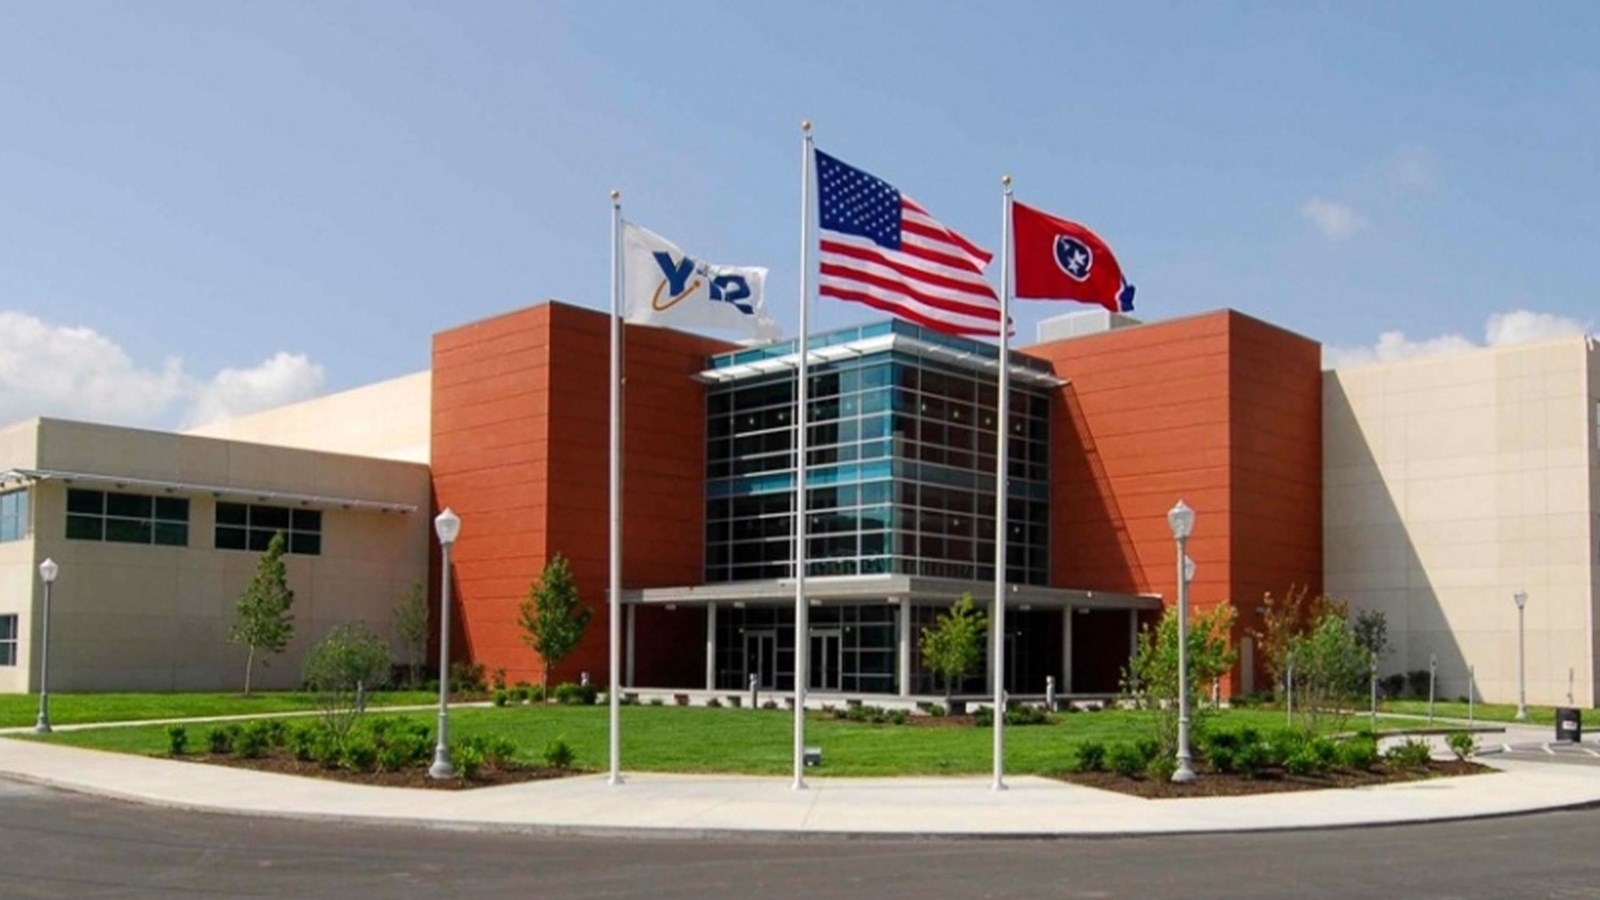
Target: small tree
953,647
264,622
552,617
411,624
1151,679
1371,629
1330,669
1283,619
349,658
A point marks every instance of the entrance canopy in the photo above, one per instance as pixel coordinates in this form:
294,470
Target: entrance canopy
887,589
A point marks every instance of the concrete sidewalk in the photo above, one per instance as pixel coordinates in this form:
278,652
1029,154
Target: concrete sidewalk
717,805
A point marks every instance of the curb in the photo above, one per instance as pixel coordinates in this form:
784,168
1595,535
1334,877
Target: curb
645,833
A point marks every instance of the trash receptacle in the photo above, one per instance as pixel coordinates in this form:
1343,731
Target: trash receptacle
1569,724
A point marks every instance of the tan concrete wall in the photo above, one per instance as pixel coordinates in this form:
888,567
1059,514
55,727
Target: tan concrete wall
1592,352
19,446
138,617
1451,483
388,420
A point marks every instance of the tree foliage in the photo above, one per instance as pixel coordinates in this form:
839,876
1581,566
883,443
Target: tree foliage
263,621
1284,619
1371,629
411,624
953,647
1330,670
1151,679
349,658
552,617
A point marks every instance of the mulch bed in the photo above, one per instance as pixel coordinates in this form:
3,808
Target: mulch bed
942,721
1215,784
411,778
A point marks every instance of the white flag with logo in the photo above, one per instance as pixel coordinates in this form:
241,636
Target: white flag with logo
668,288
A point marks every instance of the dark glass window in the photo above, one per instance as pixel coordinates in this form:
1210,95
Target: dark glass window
8,640
13,516
126,518
249,526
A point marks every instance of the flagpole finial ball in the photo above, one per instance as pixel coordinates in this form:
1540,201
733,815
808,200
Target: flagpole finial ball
1005,180
805,124
616,194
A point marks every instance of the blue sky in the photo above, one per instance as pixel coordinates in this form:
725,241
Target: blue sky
205,207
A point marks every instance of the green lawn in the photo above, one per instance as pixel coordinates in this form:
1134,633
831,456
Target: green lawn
673,739
1494,712
72,709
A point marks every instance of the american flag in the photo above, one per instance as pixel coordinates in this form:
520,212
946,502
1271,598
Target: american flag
881,248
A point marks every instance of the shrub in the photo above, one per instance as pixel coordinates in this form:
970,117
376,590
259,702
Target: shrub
1301,762
466,678
302,741
1408,754
1223,759
1417,681
1284,743
1359,752
937,710
252,741
714,703
1161,768
657,701
897,716
1027,715
1125,759
359,753
1148,749
558,754
499,750
395,757
500,679
219,740
325,749
1254,758
769,704
501,696
468,761
1324,751
1392,686
520,692
569,694
277,732
1462,744
1091,757
983,718
177,740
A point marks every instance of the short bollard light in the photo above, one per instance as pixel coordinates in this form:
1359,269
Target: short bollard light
813,757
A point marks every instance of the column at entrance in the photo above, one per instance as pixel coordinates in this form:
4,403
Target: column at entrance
1067,615
711,646
902,624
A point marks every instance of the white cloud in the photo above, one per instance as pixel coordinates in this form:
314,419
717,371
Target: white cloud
1501,330
74,372
285,378
1336,221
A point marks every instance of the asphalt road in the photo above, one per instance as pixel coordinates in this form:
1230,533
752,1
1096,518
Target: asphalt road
55,844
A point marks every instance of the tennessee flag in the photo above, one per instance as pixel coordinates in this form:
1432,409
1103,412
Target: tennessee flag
1058,259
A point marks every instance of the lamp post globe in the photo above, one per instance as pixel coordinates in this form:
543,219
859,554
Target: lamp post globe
1181,519
47,573
447,525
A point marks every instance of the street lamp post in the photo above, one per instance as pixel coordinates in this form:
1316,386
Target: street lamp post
1522,683
448,527
47,573
1181,519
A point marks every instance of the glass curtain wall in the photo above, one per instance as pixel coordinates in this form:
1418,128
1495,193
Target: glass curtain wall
900,472
852,648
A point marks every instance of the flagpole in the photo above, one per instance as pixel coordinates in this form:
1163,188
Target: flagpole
613,695
997,618
802,636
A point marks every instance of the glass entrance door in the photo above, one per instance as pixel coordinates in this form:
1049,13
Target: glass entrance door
825,659
761,659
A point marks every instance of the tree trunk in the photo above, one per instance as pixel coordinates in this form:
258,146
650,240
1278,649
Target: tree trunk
249,666
544,682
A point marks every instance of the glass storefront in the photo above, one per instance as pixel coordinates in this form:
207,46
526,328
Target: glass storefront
900,467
